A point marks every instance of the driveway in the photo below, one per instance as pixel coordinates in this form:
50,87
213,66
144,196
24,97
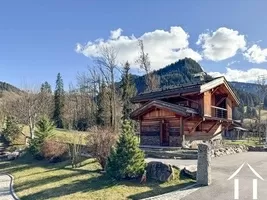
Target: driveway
5,190
222,169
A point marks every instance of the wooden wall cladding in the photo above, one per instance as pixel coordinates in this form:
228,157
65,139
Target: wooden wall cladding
159,113
150,133
150,130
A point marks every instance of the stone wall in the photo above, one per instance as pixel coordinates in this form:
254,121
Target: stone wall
228,150
175,141
150,140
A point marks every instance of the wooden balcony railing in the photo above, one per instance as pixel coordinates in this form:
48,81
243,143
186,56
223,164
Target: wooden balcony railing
219,112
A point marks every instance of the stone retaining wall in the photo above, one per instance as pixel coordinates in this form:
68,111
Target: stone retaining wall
228,150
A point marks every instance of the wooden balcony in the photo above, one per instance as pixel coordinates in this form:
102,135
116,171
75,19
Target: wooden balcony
219,112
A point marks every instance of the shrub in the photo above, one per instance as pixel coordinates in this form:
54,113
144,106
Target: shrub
54,151
127,159
11,130
75,148
100,142
44,130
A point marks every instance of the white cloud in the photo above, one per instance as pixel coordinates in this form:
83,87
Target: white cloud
255,54
163,47
221,44
232,62
115,34
250,75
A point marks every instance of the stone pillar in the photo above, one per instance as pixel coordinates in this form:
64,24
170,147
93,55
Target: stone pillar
203,164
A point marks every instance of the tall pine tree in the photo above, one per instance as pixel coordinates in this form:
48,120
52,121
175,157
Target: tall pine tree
128,91
59,102
103,114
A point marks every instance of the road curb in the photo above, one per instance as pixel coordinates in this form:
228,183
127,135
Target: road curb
11,188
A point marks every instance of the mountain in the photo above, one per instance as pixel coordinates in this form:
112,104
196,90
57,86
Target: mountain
247,87
7,89
180,72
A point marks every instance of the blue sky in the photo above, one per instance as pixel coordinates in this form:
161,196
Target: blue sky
38,39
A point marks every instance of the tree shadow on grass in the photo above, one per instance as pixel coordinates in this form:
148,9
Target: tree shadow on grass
102,182
89,185
52,178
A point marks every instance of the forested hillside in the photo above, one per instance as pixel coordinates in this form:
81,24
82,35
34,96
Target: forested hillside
8,87
180,72
246,87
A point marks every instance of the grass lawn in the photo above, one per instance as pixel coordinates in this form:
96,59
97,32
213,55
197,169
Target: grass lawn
249,142
43,180
61,135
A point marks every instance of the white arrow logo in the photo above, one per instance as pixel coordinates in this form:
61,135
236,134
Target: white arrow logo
254,184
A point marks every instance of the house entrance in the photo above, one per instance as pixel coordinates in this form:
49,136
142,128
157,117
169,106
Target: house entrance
164,134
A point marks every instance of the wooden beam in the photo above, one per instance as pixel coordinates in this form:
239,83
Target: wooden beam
189,99
161,136
221,100
182,129
216,123
214,90
196,125
185,119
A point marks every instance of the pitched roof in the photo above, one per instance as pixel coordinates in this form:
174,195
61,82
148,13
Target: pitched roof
184,89
163,93
183,111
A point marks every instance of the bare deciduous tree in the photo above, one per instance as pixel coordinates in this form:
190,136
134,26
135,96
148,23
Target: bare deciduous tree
262,91
152,81
28,107
107,64
100,142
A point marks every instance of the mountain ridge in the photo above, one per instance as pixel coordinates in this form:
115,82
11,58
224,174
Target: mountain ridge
182,72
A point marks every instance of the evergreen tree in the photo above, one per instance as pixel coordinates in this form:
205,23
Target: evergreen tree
248,111
11,130
103,114
59,102
45,129
128,91
127,159
46,87
265,102
254,112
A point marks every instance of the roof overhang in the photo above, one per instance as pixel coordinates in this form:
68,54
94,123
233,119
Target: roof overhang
167,93
217,82
180,110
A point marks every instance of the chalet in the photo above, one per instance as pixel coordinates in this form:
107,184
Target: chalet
200,111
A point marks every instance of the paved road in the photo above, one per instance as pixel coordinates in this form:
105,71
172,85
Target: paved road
5,187
224,167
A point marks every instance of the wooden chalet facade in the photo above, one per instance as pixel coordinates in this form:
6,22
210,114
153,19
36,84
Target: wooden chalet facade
186,113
